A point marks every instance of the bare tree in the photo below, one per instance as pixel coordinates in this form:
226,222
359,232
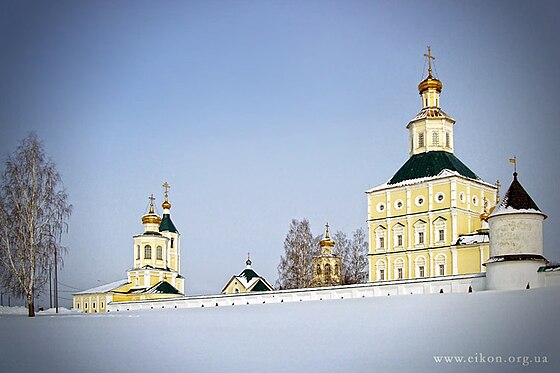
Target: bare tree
33,216
356,264
342,249
295,268
353,253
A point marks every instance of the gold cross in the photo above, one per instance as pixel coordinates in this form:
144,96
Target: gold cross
152,199
166,187
430,58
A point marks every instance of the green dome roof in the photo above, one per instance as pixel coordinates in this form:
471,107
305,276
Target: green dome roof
431,164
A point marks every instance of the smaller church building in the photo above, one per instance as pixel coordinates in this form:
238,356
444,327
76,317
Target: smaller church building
155,266
247,281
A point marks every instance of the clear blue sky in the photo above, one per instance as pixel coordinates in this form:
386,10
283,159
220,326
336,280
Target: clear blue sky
257,112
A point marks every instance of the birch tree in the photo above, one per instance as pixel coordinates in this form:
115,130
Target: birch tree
33,216
353,253
356,260
295,268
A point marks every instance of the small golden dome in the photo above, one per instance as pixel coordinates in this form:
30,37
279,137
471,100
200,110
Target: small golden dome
166,205
327,241
151,219
430,83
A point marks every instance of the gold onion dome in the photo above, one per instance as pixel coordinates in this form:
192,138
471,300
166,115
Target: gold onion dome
430,83
151,217
327,241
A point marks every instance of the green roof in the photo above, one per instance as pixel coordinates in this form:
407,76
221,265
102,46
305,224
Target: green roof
260,286
431,164
248,273
166,224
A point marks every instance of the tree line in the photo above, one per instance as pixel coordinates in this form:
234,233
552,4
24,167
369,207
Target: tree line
295,270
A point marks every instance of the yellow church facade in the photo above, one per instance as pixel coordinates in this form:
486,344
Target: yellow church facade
426,220
155,273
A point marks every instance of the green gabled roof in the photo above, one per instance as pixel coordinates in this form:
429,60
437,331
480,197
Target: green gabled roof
166,224
431,164
248,273
163,287
260,286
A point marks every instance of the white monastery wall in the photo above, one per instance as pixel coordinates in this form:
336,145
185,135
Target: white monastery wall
449,284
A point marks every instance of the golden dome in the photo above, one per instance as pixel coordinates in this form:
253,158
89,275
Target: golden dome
166,205
430,83
151,219
327,241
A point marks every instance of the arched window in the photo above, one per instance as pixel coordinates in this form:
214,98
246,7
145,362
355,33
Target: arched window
440,264
172,240
380,270
137,251
147,252
318,269
420,267
399,269
336,270
435,139
159,253
327,269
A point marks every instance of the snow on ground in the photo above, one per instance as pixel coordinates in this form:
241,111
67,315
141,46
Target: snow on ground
381,334
16,310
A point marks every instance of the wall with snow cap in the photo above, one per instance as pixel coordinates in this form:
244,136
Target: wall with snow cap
445,284
516,233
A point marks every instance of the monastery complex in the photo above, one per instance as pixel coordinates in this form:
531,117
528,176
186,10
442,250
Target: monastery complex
434,227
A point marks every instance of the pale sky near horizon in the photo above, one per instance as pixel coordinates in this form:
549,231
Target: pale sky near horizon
258,112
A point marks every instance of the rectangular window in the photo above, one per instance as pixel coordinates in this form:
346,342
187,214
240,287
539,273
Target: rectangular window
420,238
172,242
85,305
93,305
442,269
381,242
399,273
101,304
421,140
421,271
441,235
382,274
78,305
447,140
399,239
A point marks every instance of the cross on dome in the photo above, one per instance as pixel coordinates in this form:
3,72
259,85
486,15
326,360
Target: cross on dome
152,199
430,58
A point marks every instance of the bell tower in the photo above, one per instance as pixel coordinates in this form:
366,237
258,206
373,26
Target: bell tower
432,128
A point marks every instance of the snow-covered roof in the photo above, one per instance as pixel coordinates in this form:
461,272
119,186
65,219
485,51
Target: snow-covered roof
516,201
104,288
473,239
442,175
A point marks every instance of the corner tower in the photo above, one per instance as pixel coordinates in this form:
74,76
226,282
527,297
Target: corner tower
516,246
425,220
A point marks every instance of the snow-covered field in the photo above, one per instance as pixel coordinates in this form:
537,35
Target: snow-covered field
382,334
